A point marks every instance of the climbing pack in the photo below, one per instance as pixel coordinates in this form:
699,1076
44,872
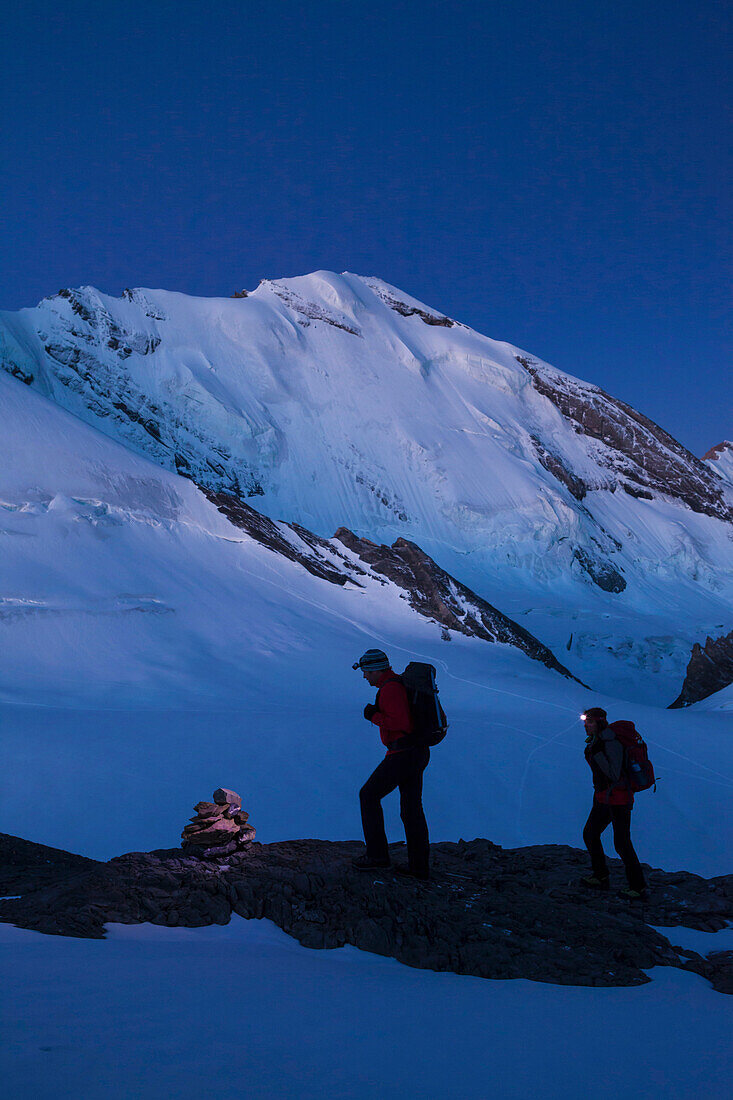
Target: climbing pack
638,771
429,723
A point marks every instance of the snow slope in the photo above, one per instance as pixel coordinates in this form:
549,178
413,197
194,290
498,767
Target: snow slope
153,652
335,400
157,1012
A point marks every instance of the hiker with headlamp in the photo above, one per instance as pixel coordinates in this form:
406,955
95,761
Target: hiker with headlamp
403,767
613,799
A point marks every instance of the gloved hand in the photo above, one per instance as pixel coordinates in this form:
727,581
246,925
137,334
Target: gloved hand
369,710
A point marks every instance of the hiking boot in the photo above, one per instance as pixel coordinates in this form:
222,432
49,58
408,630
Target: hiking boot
366,863
407,872
593,882
633,895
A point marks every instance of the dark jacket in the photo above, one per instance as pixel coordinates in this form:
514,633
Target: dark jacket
393,710
605,755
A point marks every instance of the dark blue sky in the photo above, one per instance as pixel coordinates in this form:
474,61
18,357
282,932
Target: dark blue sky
553,174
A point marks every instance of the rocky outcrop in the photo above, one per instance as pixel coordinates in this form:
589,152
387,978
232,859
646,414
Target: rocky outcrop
405,310
26,866
290,540
219,827
310,311
440,597
98,329
716,453
710,670
489,911
600,571
720,460
640,453
431,591
559,469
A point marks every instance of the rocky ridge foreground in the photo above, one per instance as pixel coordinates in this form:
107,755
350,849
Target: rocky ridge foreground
490,912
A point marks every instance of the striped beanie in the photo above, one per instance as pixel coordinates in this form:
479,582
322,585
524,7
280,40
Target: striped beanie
374,660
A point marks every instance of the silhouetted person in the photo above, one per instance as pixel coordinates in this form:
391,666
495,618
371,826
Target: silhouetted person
613,800
402,767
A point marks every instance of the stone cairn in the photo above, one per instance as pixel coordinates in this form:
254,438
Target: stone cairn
219,827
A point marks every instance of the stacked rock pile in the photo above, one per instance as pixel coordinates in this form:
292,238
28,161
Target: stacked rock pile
219,827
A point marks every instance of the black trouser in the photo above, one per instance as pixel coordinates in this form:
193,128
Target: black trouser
403,770
600,818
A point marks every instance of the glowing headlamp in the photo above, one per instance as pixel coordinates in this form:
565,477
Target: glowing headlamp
583,717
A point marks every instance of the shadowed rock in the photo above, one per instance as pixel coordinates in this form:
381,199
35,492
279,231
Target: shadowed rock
25,865
489,911
710,669
283,538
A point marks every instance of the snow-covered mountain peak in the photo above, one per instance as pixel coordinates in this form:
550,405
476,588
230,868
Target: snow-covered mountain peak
344,292
336,400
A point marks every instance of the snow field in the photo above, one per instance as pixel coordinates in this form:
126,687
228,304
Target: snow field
244,1009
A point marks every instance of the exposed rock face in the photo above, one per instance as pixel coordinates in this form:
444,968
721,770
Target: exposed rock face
490,912
715,453
219,827
310,311
602,572
710,670
292,541
559,469
720,460
640,453
438,596
429,589
406,310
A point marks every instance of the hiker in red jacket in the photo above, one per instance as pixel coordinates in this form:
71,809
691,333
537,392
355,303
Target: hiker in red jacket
402,767
613,800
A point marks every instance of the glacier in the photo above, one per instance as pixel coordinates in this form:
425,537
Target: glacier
340,401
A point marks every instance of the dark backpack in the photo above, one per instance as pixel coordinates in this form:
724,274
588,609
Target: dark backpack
638,771
429,723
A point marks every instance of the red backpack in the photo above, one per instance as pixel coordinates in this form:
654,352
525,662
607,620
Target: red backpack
638,770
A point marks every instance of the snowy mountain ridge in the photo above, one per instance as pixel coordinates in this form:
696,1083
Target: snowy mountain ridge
336,401
720,460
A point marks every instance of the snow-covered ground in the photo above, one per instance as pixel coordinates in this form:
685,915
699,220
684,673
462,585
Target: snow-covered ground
244,1010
